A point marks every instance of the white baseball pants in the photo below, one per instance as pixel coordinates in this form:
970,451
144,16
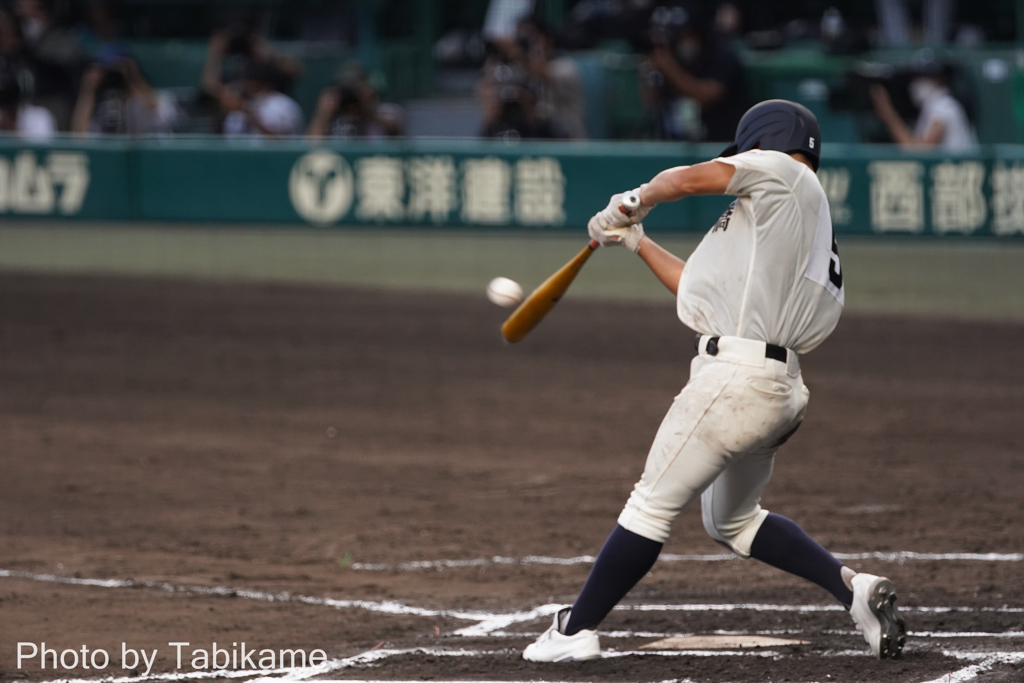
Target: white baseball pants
718,441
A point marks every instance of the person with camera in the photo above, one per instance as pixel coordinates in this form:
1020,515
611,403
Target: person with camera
115,98
237,46
52,53
555,80
510,109
18,117
692,80
510,95
254,104
350,108
942,123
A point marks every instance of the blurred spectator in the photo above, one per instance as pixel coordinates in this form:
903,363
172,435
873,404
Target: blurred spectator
259,108
894,21
509,103
502,20
239,45
526,91
53,55
13,60
350,108
254,104
18,117
115,98
692,80
942,123
556,79
840,37
728,20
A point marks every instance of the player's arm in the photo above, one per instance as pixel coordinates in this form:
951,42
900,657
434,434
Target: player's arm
612,227
665,265
710,177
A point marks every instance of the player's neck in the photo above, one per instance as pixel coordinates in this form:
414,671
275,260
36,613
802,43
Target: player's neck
799,156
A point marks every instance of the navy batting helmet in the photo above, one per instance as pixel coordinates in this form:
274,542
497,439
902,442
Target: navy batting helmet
780,125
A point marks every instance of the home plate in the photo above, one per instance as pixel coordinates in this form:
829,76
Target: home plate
719,642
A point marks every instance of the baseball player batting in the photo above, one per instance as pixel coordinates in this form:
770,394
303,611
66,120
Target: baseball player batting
763,286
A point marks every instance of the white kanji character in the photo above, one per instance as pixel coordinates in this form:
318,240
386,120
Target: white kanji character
540,191
71,171
958,203
485,190
1008,199
380,186
835,181
31,186
431,187
897,196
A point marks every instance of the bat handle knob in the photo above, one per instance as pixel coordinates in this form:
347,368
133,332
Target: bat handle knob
630,202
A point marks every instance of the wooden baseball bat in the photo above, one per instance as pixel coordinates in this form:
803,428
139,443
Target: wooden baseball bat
541,300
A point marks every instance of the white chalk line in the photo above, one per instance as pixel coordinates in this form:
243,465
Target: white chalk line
298,673
386,607
983,662
989,660
1010,635
487,623
498,560
1007,635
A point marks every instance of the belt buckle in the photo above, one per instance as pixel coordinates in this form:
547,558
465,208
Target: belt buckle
711,348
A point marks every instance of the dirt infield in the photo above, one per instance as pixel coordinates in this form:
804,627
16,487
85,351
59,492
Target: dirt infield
177,456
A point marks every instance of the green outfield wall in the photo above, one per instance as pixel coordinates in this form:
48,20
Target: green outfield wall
472,183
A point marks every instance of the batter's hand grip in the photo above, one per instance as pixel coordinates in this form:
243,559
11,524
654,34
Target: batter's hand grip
630,202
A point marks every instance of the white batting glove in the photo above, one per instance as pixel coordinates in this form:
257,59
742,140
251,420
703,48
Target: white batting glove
607,235
612,226
614,215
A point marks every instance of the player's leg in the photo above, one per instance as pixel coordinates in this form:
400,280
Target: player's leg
686,456
625,558
734,517
731,506
680,464
714,418
781,543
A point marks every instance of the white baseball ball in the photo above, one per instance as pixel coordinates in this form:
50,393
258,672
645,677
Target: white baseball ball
504,292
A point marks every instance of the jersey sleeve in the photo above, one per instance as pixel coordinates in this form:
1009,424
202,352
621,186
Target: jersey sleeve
761,172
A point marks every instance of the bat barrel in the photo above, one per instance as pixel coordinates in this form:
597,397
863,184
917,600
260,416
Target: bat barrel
541,300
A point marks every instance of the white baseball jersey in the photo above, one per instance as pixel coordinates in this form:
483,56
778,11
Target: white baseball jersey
769,269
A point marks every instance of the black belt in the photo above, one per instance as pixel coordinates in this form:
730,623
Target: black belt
773,351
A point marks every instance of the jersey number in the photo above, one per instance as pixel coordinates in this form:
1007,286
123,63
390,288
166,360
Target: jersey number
835,271
823,261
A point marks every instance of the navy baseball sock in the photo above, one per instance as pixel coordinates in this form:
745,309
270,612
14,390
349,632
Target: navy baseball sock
624,560
781,543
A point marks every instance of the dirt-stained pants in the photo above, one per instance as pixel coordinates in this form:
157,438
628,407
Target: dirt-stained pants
718,441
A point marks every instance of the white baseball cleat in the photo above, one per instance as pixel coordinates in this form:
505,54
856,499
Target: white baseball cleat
554,646
874,611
